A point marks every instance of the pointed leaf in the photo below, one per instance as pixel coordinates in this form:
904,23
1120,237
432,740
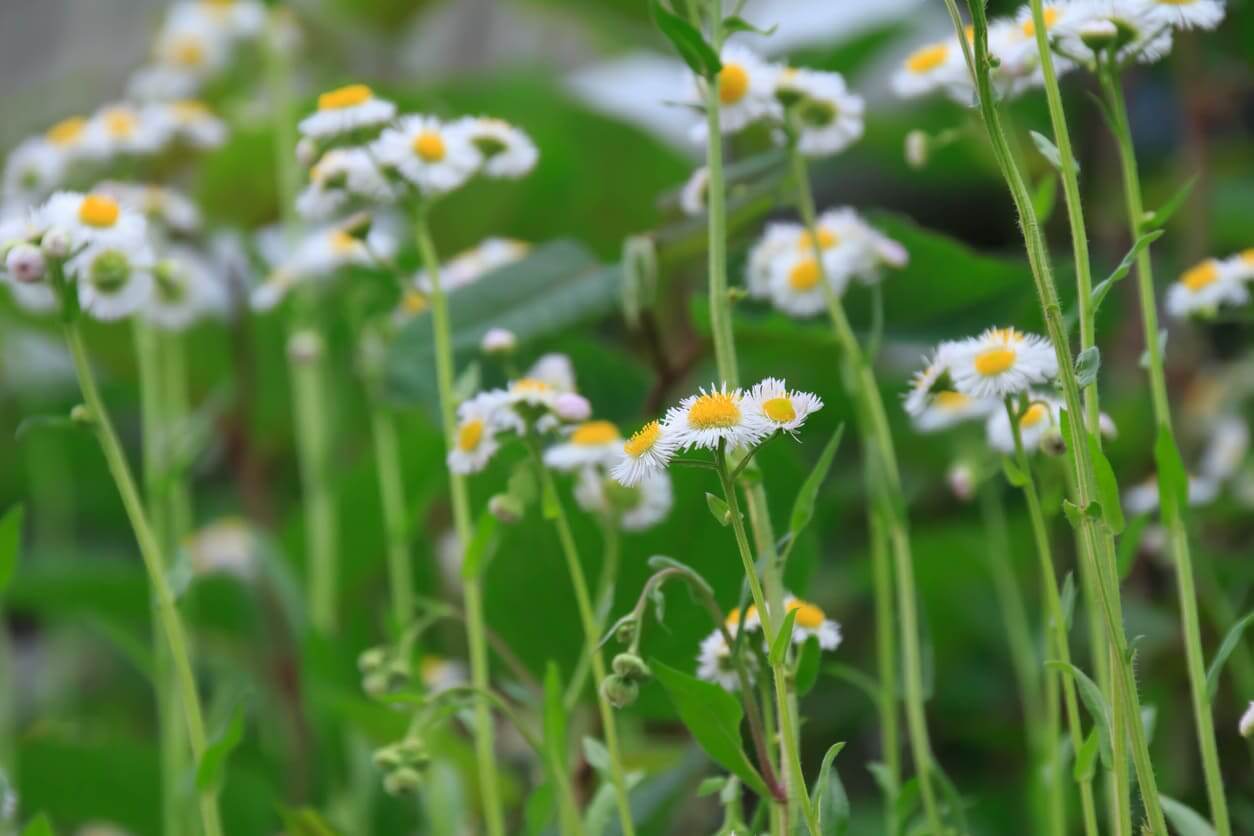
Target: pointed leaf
718,507
735,23
1086,759
1107,487
1045,197
1099,292
1087,365
481,547
1162,214
1014,475
212,768
808,666
1096,704
803,505
779,647
597,756
39,826
687,40
1048,149
829,801
1229,644
1185,820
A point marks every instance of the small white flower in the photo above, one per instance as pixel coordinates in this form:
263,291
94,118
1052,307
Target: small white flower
160,205
695,193
572,407
439,674
1140,33
648,451
829,118
590,443
797,279
1188,14
716,417
866,250
479,420
229,545
193,123
961,480
777,240
35,297
435,157
321,255
347,109
781,408
498,341
92,219
341,177
506,150
112,283
25,263
936,66
1246,724
1042,417
33,170
1001,362
946,408
554,369
714,662
636,508
1229,443
468,267
185,290
812,621
1241,265
125,129
746,91
1204,288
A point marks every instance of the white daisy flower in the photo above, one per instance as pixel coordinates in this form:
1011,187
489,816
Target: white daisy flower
341,177
434,156
714,662
1042,417
112,282
781,408
234,19
125,129
868,251
648,451
587,444
554,369
439,674
160,82
33,170
928,381
507,151
1001,362
92,219
479,420
946,408
797,279
346,109
1241,265
33,296
160,205
828,116
812,621
229,546
1188,14
185,290
320,256
1246,725
776,240
694,195
716,417
192,122
1203,288
468,267
936,66
636,508
1132,28
1226,450
189,49
746,91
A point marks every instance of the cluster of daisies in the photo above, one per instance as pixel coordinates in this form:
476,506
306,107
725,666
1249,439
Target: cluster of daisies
1082,33
784,268
971,379
361,156
1211,284
715,662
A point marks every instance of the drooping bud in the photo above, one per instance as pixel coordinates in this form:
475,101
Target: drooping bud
619,691
1097,35
56,243
402,781
571,407
80,414
630,666
498,341
25,263
371,659
918,148
1052,443
961,479
505,508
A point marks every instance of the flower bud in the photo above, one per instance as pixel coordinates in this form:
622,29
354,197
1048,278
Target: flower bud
917,149
25,263
304,347
375,683
961,479
80,414
306,152
402,781
388,758
619,691
110,270
626,630
498,341
371,659
1052,443
505,508
630,666
1246,726
56,243
1097,35
571,407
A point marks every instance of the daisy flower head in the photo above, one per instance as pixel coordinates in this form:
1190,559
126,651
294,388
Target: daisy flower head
776,240
800,282
344,110
587,444
715,664
1001,362
1131,30
716,417
746,91
809,621
185,290
193,123
637,508
93,218
868,251
22,264
32,171
554,369
161,206
341,178
782,408
434,156
479,421
933,67
1242,264
507,151
694,195
1205,287
468,267
191,48
1188,14
648,451
113,282
827,116
126,129
1041,418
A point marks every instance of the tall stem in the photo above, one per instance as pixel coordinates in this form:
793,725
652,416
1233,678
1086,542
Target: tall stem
884,487
472,591
602,603
886,659
170,623
392,497
592,633
1177,533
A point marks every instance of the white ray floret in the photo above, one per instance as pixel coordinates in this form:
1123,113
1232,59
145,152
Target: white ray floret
1001,362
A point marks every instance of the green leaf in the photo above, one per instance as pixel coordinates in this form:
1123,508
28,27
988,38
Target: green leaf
597,756
713,717
1048,149
212,767
1014,475
1107,487
1173,480
34,423
1129,543
1162,214
1185,820
1099,292
540,809
803,505
39,826
481,547
1096,704
687,40
779,647
1087,365
305,821
735,23
1229,644
808,666
1086,759
829,802
718,507
1068,601
711,785
1045,197
10,544
554,717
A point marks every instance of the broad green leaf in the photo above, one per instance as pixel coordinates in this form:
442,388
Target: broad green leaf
1229,644
211,770
1048,149
1185,820
597,756
1086,759
735,23
481,547
713,716
10,544
779,647
718,507
687,40
803,505
1096,704
305,821
1107,487
1087,365
1099,292
1159,217
39,826
711,785
829,801
554,716
1173,480
1014,475
1045,197
808,666
540,809
34,423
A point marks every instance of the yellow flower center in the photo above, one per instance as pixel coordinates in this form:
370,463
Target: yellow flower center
1248,256
1035,414
594,433
531,384
733,618
733,84
187,52
431,667
994,361
1176,2
120,122
780,410
66,131
804,276
342,242
100,211
342,97
1051,17
643,439
827,239
469,435
808,616
1196,278
189,110
949,399
714,410
413,302
927,59
429,146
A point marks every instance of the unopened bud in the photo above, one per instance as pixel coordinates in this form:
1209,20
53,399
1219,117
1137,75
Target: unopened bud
304,347
961,481
80,414
505,508
306,152
630,666
1097,35
917,149
619,691
1246,726
111,269
571,407
626,630
498,341
371,659
56,243
25,263
402,781
1052,443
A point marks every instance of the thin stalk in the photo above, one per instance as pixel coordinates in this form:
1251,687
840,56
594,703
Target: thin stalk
592,635
1177,533
472,591
392,497
886,661
170,623
603,601
1057,622
884,487
1099,543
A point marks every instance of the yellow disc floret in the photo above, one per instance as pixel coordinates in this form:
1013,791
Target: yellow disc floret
469,435
1033,416
804,275
780,410
1200,276
733,84
994,361
100,211
429,146
1051,17
594,433
714,410
949,399
342,97
927,59
827,239
643,440
809,616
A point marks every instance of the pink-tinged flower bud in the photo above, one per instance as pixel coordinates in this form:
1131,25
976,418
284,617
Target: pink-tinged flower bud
571,407
56,243
1246,726
961,481
304,346
498,341
25,263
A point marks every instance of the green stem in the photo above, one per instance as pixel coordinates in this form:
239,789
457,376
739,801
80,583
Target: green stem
884,487
720,302
603,602
392,497
472,591
170,623
1099,542
1177,534
886,661
592,637
1057,624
